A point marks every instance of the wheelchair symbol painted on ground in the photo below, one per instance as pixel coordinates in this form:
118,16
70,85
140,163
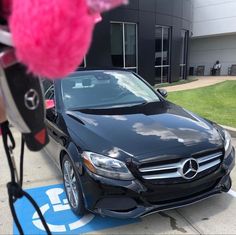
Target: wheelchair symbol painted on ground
58,214
57,205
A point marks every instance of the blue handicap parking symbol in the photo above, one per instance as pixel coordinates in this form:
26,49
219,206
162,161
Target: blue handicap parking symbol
56,210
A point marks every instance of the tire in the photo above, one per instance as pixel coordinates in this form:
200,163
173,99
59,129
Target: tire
72,187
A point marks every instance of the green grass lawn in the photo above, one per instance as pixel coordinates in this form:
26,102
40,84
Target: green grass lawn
217,102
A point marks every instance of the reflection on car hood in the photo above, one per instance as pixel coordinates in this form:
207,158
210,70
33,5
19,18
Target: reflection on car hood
158,128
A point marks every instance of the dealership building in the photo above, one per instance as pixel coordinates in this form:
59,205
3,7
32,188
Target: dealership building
150,37
214,36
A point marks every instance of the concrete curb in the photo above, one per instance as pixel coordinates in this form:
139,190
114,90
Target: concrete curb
231,130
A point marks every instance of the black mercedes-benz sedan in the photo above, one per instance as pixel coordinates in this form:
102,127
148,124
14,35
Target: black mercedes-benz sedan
125,151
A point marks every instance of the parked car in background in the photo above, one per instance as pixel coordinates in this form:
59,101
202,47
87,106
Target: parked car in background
125,151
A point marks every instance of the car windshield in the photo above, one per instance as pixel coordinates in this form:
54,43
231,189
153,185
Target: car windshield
105,89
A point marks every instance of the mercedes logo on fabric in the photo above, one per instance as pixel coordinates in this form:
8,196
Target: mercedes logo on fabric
189,169
32,99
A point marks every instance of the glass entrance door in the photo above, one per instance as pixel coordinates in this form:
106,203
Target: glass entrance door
162,53
184,54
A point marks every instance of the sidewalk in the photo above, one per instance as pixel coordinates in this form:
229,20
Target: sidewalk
231,130
201,82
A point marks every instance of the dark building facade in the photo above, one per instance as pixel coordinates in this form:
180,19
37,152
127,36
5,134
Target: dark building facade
147,36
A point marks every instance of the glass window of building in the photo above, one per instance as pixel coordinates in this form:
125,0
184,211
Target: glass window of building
162,53
124,45
184,54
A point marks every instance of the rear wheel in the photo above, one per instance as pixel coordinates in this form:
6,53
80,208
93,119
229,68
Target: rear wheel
72,186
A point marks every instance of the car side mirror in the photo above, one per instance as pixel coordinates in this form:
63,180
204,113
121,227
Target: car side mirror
163,92
49,104
51,114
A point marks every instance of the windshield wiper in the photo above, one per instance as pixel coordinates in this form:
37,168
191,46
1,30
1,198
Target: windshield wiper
118,106
146,103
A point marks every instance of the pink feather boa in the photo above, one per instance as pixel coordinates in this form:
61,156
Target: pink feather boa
51,36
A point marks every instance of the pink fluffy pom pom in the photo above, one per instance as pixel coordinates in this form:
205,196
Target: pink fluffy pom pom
104,5
51,36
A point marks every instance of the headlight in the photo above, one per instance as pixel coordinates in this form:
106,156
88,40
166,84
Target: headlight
227,144
106,166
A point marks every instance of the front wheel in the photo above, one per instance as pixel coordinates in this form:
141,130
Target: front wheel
72,187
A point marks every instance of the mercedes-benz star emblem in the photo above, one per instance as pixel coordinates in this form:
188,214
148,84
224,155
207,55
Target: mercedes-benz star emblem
189,169
32,99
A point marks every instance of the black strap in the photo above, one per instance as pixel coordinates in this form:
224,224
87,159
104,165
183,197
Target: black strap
6,134
15,190
22,161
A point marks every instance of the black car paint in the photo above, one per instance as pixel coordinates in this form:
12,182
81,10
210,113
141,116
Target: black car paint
135,135
161,127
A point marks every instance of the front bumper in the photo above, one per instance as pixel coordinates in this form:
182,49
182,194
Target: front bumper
132,199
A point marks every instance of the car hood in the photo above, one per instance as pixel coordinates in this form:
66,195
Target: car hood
156,128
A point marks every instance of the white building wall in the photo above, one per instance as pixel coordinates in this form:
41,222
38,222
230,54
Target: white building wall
206,51
214,17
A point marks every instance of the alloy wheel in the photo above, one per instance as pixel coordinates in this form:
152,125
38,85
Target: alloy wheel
71,184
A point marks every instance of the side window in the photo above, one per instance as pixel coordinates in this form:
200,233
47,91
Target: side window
49,95
46,85
50,105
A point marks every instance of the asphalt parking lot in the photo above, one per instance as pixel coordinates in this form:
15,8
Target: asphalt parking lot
212,216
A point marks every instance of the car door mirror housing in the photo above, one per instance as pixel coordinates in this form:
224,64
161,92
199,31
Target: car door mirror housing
49,104
51,114
163,92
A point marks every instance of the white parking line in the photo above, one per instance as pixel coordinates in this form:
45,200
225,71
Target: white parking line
232,193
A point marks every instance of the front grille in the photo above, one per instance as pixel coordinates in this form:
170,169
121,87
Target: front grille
178,194
161,171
